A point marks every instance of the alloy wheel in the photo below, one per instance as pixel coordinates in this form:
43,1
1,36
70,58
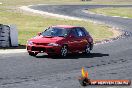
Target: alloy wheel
64,51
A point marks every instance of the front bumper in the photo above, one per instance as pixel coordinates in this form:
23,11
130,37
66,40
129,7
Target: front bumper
42,49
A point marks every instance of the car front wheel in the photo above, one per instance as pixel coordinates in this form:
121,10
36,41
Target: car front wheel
64,51
87,49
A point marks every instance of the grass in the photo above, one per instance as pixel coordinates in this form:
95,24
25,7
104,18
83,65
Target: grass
123,12
28,25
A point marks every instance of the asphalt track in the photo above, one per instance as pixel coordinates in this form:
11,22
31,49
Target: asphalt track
108,61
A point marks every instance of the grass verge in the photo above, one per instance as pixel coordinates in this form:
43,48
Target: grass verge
123,12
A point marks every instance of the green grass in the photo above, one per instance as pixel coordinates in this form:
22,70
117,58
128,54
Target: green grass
123,12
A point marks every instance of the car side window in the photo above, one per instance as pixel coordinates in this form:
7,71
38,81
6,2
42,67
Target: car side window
86,32
80,32
74,32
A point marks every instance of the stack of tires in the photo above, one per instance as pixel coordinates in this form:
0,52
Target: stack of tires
4,36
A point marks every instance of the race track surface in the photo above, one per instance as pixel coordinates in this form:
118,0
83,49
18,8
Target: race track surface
108,61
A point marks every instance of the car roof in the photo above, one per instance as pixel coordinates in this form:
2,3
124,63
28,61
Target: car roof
65,26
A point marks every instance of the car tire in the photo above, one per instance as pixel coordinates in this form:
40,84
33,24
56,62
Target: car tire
32,53
64,51
87,49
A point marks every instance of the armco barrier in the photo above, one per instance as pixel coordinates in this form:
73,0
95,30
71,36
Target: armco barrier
8,35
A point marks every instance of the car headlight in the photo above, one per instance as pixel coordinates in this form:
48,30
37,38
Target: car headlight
53,44
30,43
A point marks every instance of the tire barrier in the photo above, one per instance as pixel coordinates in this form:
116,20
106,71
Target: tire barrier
8,35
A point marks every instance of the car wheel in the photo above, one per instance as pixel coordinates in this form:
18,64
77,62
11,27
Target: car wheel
64,51
32,53
87,49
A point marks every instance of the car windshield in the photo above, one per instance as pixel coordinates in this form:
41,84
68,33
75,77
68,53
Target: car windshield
55,32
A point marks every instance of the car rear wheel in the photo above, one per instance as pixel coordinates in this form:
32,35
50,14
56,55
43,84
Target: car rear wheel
87,49
32,53
64,51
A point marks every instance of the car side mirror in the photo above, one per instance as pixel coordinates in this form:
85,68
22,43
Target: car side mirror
39,33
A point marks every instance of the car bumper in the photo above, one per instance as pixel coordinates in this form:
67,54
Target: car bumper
44,49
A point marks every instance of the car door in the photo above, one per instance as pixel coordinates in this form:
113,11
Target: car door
81,38
73,41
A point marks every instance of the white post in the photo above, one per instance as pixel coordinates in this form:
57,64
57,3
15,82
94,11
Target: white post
13,35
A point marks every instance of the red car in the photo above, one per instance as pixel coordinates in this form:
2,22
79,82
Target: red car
61,40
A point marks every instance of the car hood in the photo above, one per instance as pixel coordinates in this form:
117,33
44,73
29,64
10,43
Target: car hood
47,39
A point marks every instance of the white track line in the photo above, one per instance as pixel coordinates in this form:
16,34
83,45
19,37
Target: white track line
115,16
26,8
89,12
11,51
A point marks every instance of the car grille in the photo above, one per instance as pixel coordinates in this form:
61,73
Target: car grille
38,49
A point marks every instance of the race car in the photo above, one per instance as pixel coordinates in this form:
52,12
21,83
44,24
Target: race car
61,40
